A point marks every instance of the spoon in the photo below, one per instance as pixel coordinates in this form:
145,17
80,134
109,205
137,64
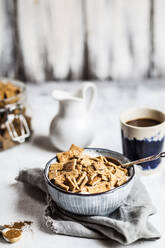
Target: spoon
143,160
11,235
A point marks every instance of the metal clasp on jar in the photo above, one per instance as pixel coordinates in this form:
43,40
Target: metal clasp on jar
14,113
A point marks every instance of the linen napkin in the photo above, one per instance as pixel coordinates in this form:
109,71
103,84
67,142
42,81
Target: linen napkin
129,223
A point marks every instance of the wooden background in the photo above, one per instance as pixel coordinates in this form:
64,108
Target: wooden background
82,39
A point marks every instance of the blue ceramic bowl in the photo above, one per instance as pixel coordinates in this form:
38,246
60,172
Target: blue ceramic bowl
91,204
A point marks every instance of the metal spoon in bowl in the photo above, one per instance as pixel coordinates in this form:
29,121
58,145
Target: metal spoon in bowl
10,238
143,160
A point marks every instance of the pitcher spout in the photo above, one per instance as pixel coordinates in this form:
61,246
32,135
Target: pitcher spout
86,94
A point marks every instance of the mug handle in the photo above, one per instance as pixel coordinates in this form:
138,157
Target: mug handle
92,89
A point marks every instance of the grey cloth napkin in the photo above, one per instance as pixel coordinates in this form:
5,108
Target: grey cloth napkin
127,224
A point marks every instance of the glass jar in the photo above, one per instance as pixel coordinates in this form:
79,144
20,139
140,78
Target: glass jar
15,123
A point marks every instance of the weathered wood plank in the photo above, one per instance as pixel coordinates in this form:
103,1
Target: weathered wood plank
51,34
138,29
159,38
7,58
118,38
61,39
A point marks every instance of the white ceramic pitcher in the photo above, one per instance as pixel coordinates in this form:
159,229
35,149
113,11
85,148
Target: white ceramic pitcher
73,124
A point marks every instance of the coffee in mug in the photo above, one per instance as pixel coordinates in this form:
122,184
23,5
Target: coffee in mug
143,132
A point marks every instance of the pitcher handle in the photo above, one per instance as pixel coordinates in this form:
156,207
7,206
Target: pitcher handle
93,89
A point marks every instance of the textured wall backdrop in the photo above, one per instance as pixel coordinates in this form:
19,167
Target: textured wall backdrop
82,39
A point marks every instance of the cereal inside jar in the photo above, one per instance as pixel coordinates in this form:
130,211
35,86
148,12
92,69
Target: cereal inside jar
15,122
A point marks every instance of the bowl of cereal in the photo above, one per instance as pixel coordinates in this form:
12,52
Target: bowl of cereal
89,181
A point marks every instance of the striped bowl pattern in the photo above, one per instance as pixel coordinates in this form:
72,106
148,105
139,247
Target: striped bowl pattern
91,204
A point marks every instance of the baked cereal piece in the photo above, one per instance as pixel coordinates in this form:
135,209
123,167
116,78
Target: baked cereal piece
70,179
124,170
100,159
71,182
119,173
84,182
99,166
72,174
104,178
1,95
85,161
113,180
92,176
81,178
91,172
70,165
75,183
62,185
111,169
110,164
75,151
121,181
60,178
94,159
104,171
95,181
63,157
55,170
52,174
84,190
56,166
60,181
121,177
99,188
79,168
113,161
105,159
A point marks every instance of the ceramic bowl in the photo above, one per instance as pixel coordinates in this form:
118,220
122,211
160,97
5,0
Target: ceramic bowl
91,204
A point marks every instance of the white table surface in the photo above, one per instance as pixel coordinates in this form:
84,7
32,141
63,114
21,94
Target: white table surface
18,202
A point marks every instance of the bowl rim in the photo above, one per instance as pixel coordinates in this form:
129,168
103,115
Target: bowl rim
84,194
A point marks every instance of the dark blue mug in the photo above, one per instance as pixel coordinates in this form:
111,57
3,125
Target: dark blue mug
145,140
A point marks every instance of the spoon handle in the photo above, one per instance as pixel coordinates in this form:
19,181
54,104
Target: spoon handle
143,160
